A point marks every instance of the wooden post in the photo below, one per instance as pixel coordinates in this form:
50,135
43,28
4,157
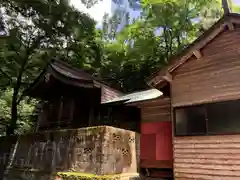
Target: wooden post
91,116
110,115
39,120
60,111
72,110
168,77
172,116
197,54
98,115
230,26
49,114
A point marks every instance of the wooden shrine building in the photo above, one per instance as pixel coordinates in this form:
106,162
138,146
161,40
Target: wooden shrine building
204,87
71,101
71,98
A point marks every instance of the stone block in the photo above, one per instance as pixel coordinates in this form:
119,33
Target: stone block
100,150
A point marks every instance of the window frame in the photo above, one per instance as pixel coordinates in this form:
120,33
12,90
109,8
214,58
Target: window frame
188,134
206,108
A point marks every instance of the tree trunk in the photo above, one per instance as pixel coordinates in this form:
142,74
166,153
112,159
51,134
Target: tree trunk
14,114
225,6
14,111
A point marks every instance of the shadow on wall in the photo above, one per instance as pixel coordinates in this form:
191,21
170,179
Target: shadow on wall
39,156
36,156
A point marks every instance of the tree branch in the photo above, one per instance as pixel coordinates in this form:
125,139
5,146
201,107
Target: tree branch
166,40
21,71
5,74
20,98
170,46
3,123
16,52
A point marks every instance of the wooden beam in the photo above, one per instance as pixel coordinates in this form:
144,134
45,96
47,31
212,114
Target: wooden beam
168,77
230,26
197,53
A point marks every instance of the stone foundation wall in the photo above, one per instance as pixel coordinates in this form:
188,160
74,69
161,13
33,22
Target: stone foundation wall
99,150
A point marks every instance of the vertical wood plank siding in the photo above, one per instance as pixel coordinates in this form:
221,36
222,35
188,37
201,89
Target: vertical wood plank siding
207,157
155,110
213,77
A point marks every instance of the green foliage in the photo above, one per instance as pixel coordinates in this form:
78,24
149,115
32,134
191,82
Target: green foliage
25,112
164,29
33,33
37,32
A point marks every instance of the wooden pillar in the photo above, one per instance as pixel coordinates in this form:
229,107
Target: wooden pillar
60,111
72,110
110,115
49,114
91,116
39,119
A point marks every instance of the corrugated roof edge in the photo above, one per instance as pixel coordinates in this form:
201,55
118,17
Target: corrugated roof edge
137,96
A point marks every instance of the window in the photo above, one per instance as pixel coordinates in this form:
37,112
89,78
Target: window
190,120
208,119
224,117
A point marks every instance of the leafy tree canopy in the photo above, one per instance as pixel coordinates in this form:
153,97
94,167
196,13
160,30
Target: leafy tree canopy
164,28
33,33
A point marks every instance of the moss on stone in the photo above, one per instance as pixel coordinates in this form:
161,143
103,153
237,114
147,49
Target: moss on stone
85,176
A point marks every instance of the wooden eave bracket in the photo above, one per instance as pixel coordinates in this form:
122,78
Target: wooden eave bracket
196,50
230,26
154,82
197,53
168,77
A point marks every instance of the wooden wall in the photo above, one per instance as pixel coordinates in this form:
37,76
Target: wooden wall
156,145
156,134
207,157
155,110
213,77
65,113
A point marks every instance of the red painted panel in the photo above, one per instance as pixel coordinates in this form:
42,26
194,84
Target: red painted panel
156,141
164,143
153,127
148,146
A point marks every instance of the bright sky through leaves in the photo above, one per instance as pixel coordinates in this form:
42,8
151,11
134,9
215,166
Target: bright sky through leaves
98,10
